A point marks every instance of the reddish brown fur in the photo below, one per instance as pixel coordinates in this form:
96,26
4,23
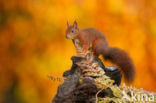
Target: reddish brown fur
100,45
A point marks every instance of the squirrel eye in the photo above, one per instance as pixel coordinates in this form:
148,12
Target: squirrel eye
72,31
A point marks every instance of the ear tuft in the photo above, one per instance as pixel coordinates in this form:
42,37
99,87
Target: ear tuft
68,24
75,24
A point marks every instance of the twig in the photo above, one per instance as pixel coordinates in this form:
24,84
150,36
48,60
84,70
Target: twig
60,79
98,93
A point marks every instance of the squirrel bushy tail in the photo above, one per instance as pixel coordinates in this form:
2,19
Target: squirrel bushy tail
121,59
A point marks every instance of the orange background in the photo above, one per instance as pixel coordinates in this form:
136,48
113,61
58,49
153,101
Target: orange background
33,44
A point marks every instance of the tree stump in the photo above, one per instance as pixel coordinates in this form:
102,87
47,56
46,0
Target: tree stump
80,85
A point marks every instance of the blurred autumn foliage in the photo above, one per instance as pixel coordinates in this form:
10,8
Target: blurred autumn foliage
33,44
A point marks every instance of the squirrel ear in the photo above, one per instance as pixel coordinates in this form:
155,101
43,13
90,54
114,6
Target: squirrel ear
68,24
75,24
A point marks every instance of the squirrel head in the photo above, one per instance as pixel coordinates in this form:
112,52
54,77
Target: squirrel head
72,31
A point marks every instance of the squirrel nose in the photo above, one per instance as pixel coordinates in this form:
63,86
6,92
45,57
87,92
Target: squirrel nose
67,36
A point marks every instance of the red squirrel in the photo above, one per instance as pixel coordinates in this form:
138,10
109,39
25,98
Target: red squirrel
97,40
